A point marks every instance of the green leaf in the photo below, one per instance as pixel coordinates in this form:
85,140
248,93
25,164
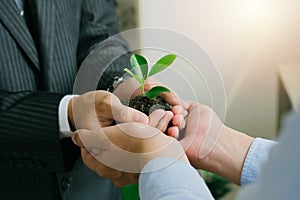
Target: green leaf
155,91
139,65
162,64
133,75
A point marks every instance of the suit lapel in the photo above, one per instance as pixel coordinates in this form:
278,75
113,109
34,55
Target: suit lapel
14,22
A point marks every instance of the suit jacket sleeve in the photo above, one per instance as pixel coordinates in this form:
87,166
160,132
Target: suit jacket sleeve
29,119
29,130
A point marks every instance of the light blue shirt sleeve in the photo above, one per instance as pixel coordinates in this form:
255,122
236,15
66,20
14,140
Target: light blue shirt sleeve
256,156
280,176
169,179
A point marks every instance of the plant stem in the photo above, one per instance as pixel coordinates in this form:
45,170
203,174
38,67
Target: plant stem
143,88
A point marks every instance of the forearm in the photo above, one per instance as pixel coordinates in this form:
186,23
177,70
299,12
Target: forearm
228,156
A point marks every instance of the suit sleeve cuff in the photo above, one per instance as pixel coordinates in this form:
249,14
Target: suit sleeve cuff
64,126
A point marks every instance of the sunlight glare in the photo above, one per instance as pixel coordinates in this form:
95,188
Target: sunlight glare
255,9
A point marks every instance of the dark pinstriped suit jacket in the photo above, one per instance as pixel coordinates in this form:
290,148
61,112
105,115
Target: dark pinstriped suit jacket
35,73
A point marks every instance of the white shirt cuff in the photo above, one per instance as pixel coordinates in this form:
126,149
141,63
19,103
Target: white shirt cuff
64,126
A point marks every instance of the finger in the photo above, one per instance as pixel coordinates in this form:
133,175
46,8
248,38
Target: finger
193,120
76,140
115,110
88,159
170,98
192,125
173,132
179,110
117,177
179,116
107,172
178,120
126,179
120,183
124,114
94,164
164,122
155,117
93,140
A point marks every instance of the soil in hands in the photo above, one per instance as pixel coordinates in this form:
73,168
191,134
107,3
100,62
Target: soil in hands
147,105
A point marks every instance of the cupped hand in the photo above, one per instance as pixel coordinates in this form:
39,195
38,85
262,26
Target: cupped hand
131,88
179,108
100,108
120,152
212,146
203,128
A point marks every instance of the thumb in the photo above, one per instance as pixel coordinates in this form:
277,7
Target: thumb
124,114
76,137
91,139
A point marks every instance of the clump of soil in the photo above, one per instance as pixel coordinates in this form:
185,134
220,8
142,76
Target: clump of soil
147,105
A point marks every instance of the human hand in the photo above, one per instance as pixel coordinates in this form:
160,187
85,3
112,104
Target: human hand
131,88
212,146
120,152
100,108
203,128
179,108
161,119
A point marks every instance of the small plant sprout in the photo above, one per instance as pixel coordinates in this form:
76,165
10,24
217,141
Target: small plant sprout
139,71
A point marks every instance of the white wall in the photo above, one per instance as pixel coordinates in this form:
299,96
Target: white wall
246,39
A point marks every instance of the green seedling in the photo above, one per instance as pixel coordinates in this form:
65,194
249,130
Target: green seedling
139,71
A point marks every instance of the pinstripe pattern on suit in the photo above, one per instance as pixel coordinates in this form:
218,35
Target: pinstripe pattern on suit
35,74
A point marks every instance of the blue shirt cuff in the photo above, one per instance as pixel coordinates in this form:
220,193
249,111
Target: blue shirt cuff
257,155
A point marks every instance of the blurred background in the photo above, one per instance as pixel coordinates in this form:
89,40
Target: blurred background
254,43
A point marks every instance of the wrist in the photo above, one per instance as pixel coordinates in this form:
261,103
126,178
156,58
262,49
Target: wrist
227,157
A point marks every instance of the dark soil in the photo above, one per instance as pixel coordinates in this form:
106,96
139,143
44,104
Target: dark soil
146,105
